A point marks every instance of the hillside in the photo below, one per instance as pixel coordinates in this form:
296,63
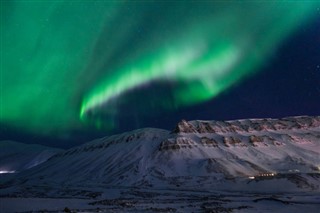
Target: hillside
17,157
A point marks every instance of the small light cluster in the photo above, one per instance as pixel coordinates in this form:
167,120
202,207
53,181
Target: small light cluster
262,175
266,174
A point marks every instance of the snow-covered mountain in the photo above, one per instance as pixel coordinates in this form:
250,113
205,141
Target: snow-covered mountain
16,157
251,165
194,154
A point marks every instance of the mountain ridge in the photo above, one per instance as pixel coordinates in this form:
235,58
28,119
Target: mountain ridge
247,125
153,157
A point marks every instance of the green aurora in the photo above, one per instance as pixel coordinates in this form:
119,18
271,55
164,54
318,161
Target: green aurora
67,65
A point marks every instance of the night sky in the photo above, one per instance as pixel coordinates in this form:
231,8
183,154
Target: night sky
72,71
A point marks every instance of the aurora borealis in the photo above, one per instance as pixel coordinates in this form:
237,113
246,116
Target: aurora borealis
74,65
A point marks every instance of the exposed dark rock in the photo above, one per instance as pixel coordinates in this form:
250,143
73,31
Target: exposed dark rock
178,143
208,142
184,127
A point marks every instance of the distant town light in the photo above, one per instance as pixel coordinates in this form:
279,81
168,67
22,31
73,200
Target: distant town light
266,174
6,172
251,177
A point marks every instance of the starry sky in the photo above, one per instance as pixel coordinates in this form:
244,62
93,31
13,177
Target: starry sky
72,71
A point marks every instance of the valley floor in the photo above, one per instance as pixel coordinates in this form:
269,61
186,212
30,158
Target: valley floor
138,200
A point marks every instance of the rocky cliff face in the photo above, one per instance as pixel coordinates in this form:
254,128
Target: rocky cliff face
248,125
184,127
251,132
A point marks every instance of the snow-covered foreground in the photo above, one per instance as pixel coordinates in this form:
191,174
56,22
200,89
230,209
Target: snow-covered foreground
41,204
253,165
161,200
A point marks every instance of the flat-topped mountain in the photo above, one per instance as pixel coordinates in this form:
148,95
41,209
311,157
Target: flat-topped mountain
248,125
196,154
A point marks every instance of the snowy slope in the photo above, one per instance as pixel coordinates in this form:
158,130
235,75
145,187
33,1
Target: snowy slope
16,157
196,154
252,165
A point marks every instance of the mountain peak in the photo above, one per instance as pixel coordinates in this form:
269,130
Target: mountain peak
184,127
